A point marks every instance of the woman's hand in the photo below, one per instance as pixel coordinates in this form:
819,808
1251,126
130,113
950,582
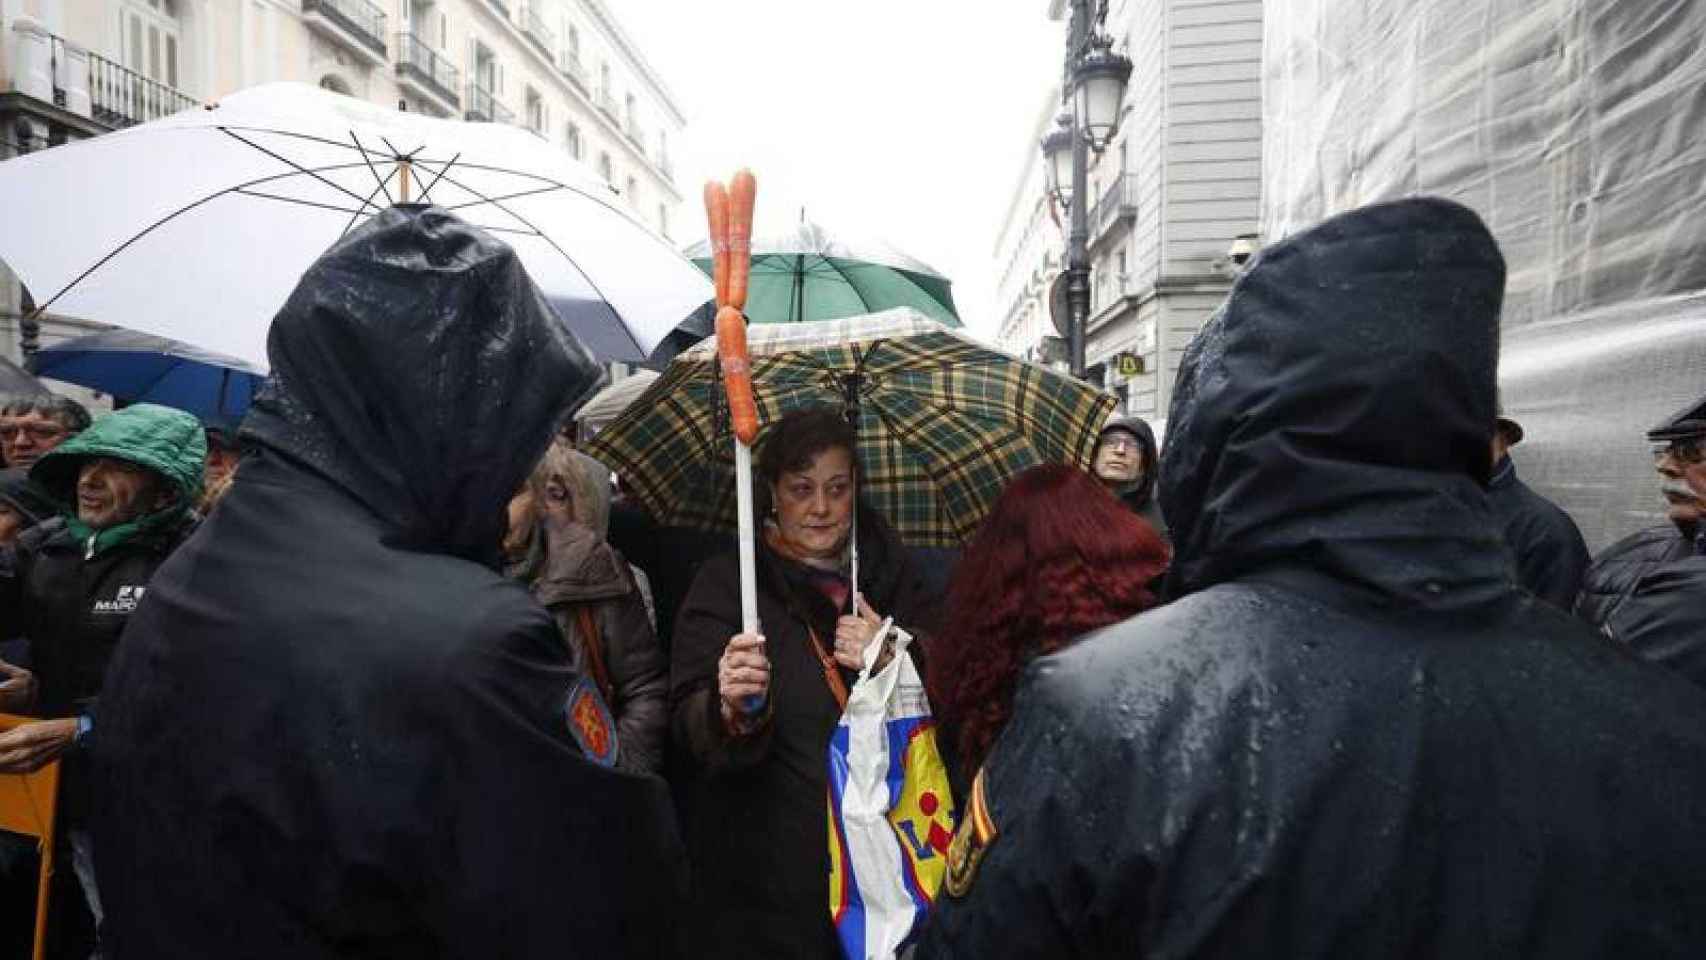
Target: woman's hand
743,677
854,634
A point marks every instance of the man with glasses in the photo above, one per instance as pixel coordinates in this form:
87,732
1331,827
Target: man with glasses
1648,591
31,426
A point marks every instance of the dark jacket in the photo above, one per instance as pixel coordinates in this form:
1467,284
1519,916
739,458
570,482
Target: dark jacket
582,571
757,827
1352,736
1648,592
1139,496
1549,551
335,729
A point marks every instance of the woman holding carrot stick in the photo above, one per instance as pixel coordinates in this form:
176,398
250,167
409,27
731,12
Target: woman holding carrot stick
755,714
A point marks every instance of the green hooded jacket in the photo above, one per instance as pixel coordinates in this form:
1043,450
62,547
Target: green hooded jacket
166,441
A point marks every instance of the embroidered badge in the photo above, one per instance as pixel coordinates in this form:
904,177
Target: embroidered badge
590,723
971,841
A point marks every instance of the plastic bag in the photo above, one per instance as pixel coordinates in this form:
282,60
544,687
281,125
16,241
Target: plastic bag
891,812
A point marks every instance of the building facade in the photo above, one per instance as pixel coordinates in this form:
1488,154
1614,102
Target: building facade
564,69
1173,192
1030,252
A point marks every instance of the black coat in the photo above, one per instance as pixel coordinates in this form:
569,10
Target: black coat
335,730
1549,551
1140,496
1352,736
1648,591
756,823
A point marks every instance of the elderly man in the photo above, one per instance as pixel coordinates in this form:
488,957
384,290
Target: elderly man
31,426
1648,590
1124,460
335,729
1351,735
133,475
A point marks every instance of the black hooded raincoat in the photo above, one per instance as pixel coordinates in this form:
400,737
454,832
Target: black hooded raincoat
1353,735
334,730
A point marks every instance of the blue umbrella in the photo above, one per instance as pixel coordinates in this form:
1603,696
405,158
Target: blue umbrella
141,368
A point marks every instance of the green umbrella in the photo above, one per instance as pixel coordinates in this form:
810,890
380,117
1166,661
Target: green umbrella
943,421
810,275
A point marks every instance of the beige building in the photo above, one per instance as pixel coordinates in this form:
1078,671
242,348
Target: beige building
564,69
1030,252
1174,191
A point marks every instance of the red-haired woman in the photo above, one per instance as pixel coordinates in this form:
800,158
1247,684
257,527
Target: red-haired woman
1057,558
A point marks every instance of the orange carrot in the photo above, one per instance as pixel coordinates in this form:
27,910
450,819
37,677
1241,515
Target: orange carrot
737,373
717,220
743,192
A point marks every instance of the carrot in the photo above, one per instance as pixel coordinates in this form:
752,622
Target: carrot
717,220
737,373
743,192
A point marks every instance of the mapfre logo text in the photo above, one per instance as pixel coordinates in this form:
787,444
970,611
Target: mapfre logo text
123,603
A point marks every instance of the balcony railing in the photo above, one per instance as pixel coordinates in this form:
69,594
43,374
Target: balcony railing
484,107
635,133
500,6
534,26
118,96
607,103
426,67
364,22
1119,202
572,68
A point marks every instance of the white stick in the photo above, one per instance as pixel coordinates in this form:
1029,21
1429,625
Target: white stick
748,558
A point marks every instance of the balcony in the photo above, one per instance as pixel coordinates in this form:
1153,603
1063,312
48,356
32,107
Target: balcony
607,102
1118,204
533,25
483,107
571,67
358,25
500,6
635,133
426,73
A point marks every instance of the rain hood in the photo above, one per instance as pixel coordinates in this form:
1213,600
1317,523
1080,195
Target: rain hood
1337,410
414,357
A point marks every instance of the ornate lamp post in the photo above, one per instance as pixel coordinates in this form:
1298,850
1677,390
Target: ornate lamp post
1093,94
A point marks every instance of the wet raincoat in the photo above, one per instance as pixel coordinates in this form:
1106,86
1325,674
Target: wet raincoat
1352,736
335,729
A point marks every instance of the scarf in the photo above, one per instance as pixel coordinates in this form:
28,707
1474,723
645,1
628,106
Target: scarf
832,583
96,542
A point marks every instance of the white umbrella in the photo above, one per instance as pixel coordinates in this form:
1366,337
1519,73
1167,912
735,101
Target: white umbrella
197,226
608,404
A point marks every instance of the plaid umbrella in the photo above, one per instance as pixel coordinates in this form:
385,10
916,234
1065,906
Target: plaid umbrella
943,421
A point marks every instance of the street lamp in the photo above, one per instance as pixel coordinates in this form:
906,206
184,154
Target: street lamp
1094,92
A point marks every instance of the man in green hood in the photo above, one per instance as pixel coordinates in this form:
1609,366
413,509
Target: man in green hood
132,478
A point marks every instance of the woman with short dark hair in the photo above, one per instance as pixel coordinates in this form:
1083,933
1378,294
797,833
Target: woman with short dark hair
1058,557
754,714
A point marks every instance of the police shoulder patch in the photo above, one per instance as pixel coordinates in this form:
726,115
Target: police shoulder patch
591,723
971,841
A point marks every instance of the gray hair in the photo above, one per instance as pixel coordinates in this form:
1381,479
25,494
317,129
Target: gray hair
69,413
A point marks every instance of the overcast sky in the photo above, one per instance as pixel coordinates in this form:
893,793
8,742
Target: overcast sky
904,119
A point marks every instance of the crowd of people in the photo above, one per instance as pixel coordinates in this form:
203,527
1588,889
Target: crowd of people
401,672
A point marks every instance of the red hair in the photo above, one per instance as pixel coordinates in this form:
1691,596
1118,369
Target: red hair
1058,557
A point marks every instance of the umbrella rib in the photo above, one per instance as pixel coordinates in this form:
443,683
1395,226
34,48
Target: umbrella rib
356,215
373,170
300,168
507,196
168,218
620,325
426,195
297,200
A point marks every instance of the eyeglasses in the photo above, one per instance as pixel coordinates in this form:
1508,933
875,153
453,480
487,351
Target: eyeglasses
1121,443
40,432
1686,452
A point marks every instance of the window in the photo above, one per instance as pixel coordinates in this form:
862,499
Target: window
604,80
536,117
663,219
604,169
149,38
485,68
572,139
631,110
422,19
574,35
633,191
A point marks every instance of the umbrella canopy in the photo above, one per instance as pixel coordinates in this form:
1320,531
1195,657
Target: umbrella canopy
809,274
943,421
138,368
197,226
607,404
15,380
